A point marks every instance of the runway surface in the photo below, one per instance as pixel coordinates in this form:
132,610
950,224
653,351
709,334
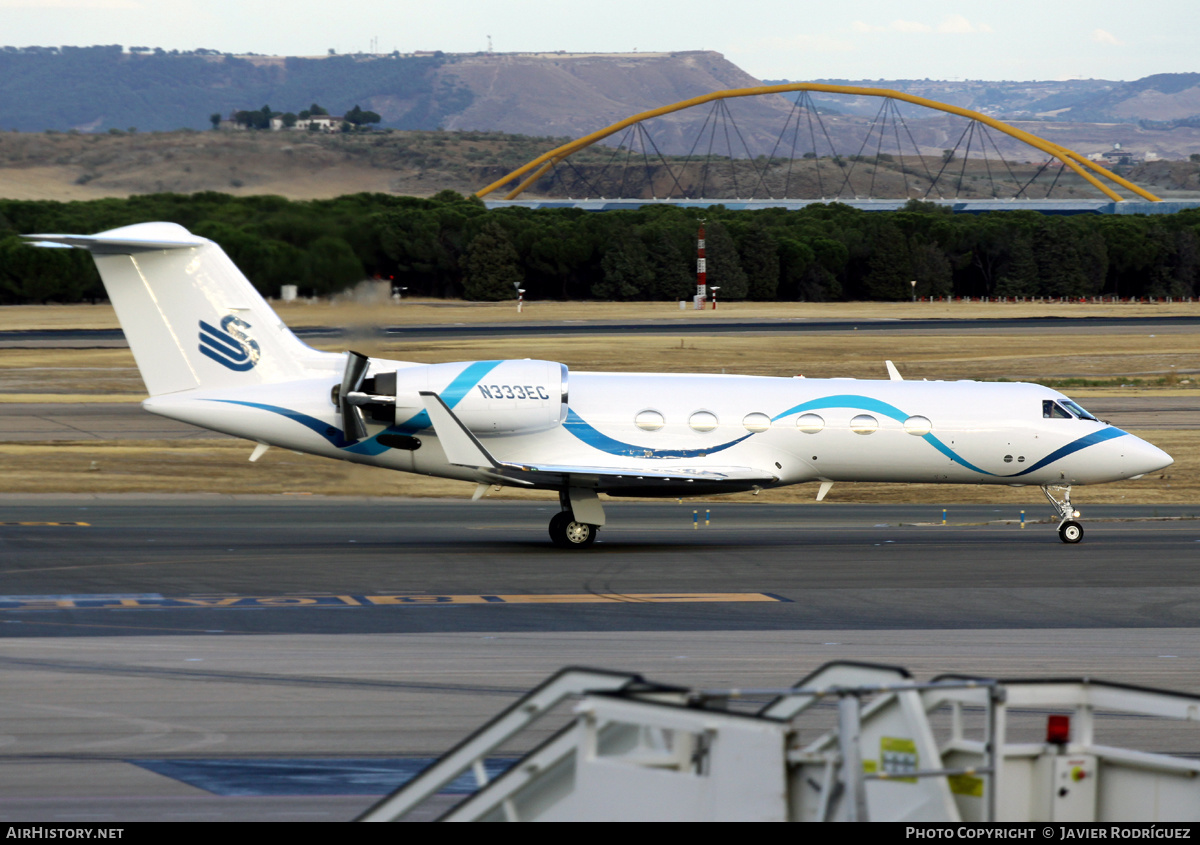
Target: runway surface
161,653
51,421
332,566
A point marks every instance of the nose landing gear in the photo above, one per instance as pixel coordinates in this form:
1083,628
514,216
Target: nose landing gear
1069,530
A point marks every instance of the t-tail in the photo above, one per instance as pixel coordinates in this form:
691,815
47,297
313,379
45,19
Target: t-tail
191,318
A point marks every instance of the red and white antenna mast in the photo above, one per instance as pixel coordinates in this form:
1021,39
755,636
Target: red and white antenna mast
701,270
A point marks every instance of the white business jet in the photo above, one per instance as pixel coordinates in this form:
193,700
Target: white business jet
214,354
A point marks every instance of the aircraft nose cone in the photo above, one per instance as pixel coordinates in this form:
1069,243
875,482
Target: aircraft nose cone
1143,457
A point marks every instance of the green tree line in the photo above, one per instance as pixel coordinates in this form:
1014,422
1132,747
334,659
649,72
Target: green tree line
260,119
452,246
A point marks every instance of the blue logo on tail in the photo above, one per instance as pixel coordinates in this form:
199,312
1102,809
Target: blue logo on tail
229,345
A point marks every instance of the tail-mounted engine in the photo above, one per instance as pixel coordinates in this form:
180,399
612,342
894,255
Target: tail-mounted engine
489,397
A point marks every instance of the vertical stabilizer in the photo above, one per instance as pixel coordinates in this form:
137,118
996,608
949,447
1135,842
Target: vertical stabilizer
190,316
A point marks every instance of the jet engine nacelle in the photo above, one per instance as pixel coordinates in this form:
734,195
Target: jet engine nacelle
490,397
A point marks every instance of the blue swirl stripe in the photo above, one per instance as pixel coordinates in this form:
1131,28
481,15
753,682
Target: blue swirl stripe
846,400
866,403
471,375
598,440
588,434
333,435
952,455
875,406
1072,447
454,393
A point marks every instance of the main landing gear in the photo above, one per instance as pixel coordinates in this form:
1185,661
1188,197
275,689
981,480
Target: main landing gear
576,525
569,534
1069,530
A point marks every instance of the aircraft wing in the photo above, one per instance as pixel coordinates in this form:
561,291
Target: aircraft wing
463,449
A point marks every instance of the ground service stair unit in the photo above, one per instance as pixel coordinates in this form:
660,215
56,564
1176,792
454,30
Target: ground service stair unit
851,742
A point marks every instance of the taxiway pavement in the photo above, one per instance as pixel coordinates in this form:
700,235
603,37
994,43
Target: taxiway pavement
160,653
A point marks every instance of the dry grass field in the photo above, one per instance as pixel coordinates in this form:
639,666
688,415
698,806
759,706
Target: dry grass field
108,373
38,374
349,312
301,166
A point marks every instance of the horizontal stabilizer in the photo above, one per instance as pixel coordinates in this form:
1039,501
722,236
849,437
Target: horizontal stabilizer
191,317
143,237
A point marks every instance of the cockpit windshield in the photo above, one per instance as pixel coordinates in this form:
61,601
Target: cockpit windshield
1064,409
1051,410
1077,410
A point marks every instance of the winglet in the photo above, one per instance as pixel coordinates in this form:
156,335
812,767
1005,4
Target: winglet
893,373
460,445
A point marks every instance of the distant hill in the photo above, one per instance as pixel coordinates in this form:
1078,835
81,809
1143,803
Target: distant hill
98,88
108,89
574,94
94,89
1149,102
1035,100
1159,101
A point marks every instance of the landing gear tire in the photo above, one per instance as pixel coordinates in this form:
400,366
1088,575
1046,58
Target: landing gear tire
1070,531
566,533
1059,495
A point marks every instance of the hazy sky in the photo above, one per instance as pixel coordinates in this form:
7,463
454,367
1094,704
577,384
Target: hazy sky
770,39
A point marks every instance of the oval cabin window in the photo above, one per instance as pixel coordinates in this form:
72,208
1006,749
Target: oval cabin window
864,424
649,420
810,423
756,422
918,426
703,421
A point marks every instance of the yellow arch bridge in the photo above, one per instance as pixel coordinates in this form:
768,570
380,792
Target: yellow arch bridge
881,157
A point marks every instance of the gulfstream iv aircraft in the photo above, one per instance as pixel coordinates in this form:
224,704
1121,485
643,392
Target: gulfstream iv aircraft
214,354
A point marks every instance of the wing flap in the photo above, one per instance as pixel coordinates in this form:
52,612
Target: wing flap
738,474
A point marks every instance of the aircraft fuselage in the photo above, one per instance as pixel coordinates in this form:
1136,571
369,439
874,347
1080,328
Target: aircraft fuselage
793,429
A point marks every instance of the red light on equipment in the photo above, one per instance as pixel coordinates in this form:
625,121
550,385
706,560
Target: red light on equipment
1058,729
